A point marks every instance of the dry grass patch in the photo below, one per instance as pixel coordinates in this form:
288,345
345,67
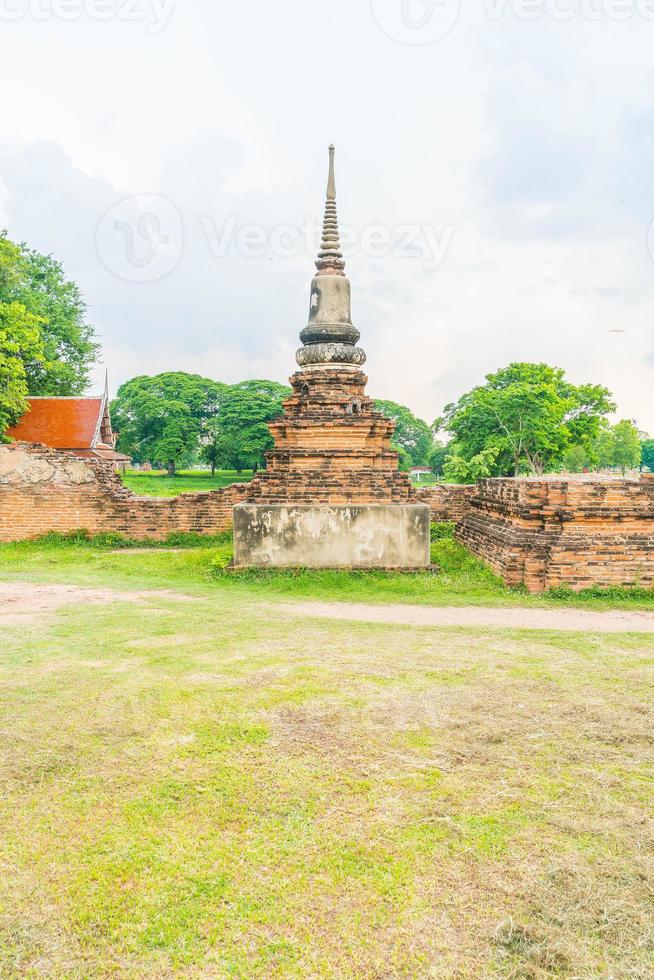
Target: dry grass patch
270,797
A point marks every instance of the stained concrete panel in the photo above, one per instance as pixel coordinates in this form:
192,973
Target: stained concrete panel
331,535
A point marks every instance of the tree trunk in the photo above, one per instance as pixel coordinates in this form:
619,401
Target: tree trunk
171,467
213,469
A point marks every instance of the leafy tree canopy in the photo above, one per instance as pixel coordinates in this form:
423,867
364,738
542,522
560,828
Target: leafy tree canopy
616,446
436,460
626,445
69,348
456,469
20,345
239,437
647,454
576,459
412,434
602,449
530,414
161,418
404,462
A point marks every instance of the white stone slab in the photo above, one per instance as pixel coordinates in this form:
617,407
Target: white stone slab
331,535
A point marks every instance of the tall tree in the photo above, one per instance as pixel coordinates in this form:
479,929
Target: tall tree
412,434
602,450
210,445
626,445
240,436
575,459
20,345
160,419
530,413
437,456
456,469
38,282
647,454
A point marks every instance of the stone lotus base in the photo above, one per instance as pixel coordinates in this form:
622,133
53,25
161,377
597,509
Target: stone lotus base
331,536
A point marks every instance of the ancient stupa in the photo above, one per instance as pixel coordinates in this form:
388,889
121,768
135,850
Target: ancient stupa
331,494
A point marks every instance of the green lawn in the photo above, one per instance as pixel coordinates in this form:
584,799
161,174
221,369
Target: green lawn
157,483
198,782
198,562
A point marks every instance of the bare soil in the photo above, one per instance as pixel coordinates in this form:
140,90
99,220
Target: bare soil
27,602
574,620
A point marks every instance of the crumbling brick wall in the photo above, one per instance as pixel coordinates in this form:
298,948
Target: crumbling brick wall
577,532
448,501
45,490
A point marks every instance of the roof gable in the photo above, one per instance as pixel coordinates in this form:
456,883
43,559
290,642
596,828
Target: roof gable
61,423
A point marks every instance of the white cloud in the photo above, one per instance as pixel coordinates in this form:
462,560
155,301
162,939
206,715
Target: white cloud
532,140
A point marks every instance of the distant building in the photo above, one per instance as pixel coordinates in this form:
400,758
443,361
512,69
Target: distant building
417,473
79,426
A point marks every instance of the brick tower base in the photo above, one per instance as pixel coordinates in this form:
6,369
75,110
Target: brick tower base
332,454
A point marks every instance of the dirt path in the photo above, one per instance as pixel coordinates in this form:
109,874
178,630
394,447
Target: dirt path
27,602
146,551
507,617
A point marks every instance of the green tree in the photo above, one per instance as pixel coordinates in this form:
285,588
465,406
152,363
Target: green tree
162,418
626,445
647,454
576,459
530,414
603,448
436,460
459,470
404,462
210,449
69,347
240,437
411,433
20,345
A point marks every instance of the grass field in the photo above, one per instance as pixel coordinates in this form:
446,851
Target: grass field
199,782
157,483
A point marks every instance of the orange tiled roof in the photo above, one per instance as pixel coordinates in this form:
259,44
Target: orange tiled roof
61,423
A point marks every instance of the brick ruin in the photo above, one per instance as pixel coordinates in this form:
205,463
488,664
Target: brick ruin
332,448
575,532
44,490
537,532
448,501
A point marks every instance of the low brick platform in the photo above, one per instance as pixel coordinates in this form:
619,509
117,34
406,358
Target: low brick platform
577,532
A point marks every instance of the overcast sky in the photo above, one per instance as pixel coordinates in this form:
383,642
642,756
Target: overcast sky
495,173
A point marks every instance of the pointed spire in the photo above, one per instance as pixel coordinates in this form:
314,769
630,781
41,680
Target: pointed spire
330,258
329,337
331,180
